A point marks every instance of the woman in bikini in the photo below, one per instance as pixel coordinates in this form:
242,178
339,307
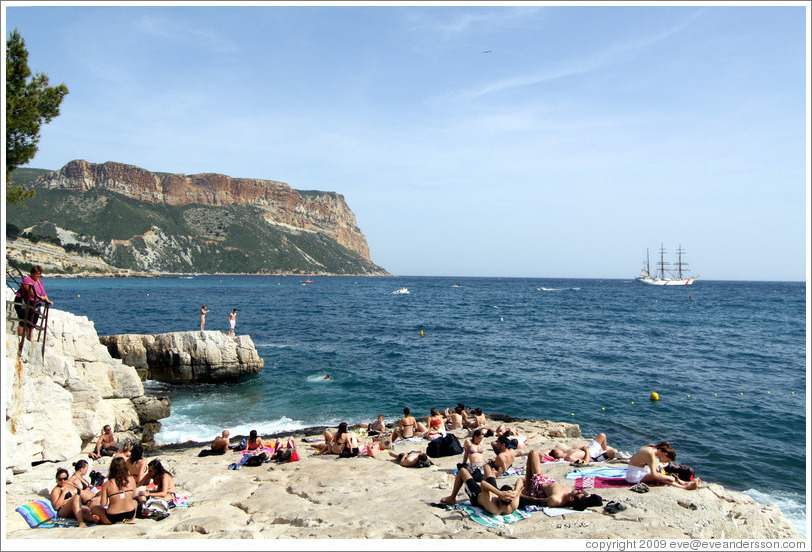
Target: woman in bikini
117,495
203,312
454,420
67,502
473,452
254,441
126,450
79,482
435,422
163,480
645,463
135,464
407,426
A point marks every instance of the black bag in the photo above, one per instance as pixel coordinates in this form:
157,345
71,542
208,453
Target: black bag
685,473
96,479
257,460
447,445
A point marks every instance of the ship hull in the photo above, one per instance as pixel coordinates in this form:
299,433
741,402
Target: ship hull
666,281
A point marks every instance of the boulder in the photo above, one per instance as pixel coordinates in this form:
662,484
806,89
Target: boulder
186,357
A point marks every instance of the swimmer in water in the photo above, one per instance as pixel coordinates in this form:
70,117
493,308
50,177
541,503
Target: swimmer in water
326,377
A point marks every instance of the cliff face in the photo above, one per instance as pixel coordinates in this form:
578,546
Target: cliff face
324,212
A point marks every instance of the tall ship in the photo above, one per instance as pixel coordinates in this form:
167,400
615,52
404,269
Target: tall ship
662,275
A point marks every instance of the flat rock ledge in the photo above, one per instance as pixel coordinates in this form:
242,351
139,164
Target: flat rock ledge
186,357
326,497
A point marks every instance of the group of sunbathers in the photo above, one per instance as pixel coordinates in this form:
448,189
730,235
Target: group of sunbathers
130,482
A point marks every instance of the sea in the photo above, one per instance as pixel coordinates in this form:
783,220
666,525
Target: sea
727,359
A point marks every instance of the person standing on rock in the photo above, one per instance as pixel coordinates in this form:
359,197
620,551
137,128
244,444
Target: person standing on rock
232,322
203,312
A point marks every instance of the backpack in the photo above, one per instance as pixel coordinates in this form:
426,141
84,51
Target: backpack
685,473
447,445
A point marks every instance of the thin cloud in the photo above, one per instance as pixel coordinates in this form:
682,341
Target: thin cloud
171,29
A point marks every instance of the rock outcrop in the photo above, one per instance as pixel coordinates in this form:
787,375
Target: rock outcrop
325,212
56,405
186,357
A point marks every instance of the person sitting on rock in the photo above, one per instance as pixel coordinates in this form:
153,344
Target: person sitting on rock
220,443
454,419
135,464
436,425
67,501
413,459
117,495
342,442
541,490
106,445
375,428
504,455
407,426
479,422
486,495
582,453
126,450
254,441
79,481
161,478
644,467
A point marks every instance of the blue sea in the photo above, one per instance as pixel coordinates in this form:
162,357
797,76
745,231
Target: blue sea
728,359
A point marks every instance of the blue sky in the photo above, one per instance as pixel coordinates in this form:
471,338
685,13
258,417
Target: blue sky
524,140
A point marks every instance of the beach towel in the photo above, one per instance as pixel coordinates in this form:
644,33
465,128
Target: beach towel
513,471
487,519
409,440
604,472
555,512
602,483
40,514
546,459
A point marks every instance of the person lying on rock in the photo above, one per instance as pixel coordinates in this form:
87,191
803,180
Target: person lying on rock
516,440
106,445
583,453
126,450
486,495
644,466
67,502
413,459
541,490
220,443
161,478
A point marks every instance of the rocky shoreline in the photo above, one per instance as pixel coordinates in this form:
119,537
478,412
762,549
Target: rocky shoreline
56,406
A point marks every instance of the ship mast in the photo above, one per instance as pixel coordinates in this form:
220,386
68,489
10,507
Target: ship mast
662,262
680,264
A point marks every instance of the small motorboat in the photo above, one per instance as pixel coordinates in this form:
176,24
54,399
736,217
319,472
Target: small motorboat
401,291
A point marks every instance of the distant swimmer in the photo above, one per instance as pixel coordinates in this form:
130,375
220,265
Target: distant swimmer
326,377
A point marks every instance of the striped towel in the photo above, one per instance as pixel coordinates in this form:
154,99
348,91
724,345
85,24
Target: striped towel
513,471
40,514
604,472
487,519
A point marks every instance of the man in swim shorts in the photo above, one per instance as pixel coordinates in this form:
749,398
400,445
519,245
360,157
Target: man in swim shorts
583,453
485,494
541,490
232,322
220,444
106,445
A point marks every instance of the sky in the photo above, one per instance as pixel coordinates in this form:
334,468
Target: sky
519,140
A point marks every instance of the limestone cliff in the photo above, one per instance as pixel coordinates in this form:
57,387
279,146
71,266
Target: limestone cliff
325,212
56,405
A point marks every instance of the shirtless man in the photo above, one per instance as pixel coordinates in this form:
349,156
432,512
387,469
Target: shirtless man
541,490
583,453
232,322
504,455
486,495
375,428
413,459
454,420
220,444
645,463
407,426
106,445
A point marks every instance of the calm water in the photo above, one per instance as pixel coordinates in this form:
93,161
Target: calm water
728,359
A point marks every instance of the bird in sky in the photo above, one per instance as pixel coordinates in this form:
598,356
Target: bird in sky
487,51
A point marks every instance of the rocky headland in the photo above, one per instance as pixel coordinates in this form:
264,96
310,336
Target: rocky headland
186,357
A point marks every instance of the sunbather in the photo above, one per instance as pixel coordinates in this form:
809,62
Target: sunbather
67,502
254,441
473,453
583,453
485,494
413,459
117,495
220,443
544,491
407,427
645,463
106,445
342,441
504,455
80,482
163,480
436,425
135,464
454,419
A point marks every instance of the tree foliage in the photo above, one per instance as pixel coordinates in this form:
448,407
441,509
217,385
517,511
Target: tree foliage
30,102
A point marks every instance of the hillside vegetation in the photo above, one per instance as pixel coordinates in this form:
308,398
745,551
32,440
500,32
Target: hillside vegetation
158,237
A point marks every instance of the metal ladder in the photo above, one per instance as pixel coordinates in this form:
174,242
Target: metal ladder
28,308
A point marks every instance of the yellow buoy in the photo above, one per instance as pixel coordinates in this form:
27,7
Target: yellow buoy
715,395
632,402
742,394
77,295
603,408
792,393
572,413
654,396
769,393
421,332
689,396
